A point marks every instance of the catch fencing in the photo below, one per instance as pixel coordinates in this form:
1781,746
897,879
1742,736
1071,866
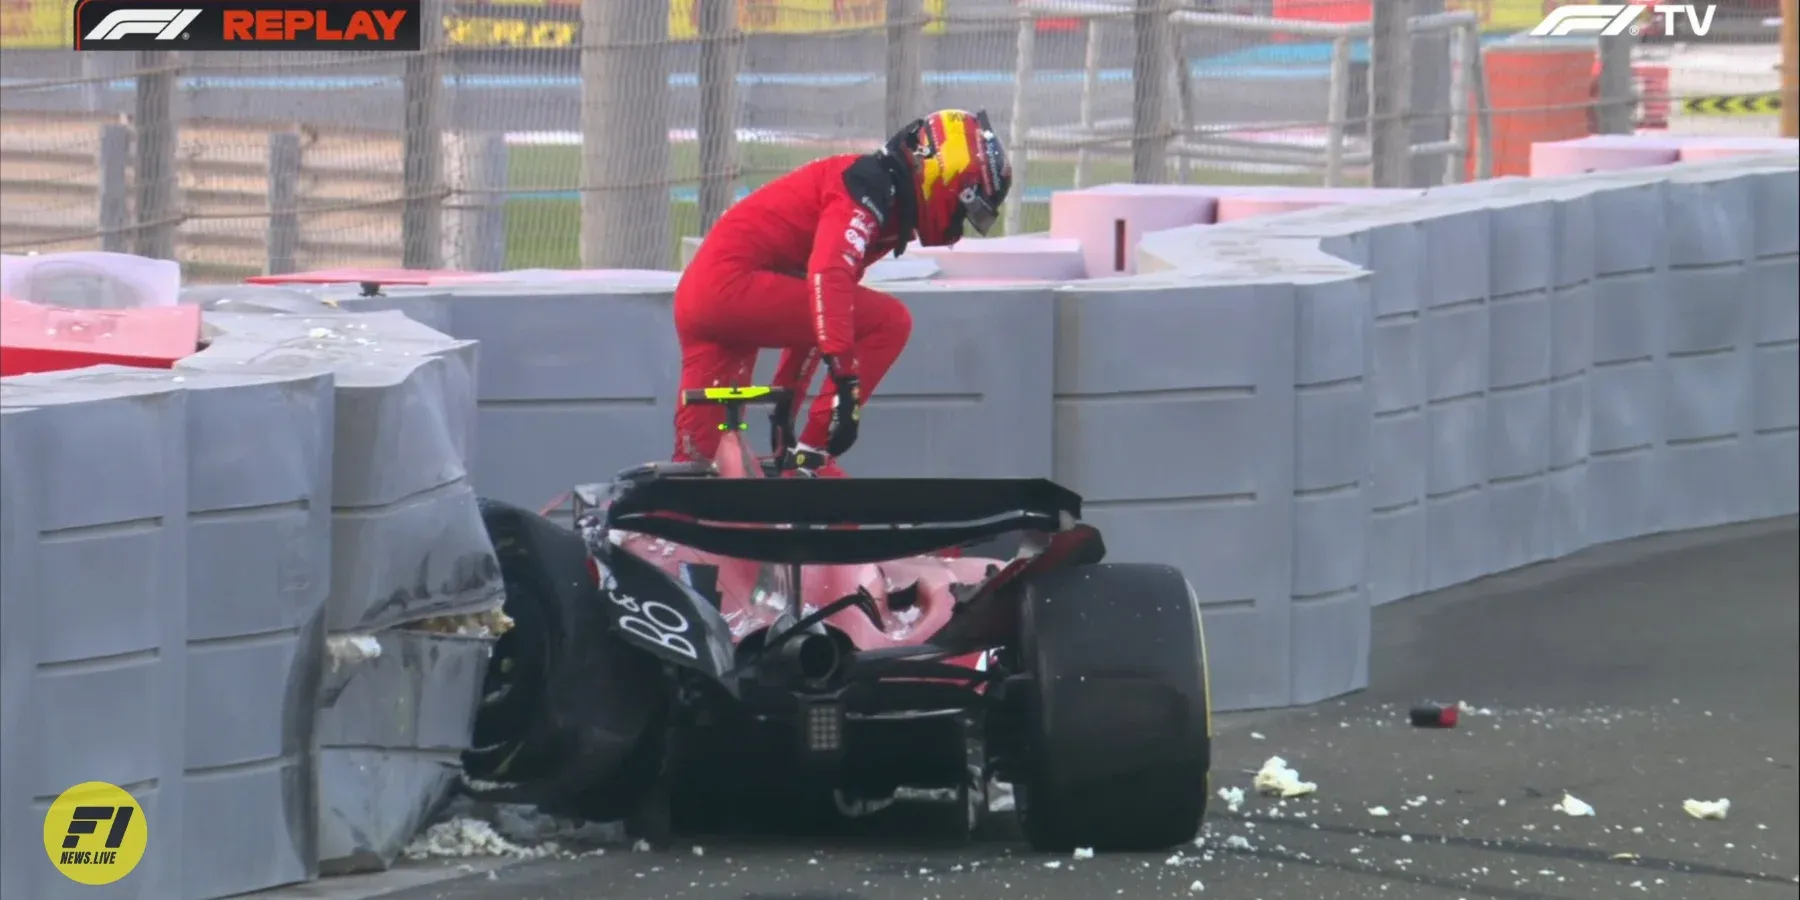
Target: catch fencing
564,133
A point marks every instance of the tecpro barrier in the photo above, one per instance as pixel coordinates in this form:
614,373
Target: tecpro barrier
1310,413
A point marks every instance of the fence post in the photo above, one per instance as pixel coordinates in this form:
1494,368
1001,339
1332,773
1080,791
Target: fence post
1390,93
1618,87
1337,101
1790,71
1430,73
1149,82
115,191
1019,134
1090,85
284,203
905,71
422,80
718,108
1184,99
624,116
157,140
476,173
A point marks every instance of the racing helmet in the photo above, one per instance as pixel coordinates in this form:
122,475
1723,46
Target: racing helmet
960,174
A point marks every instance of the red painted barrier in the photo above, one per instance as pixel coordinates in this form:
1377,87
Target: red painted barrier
37,338
361,276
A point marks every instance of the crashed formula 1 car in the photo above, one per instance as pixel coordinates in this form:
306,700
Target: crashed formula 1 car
707,640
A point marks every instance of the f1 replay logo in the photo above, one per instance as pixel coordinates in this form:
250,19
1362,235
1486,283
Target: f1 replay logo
1614,19
332,25
165,24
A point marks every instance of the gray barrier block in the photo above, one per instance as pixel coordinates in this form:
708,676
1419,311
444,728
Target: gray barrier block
969,397
578,383
95,615
391,732
258,483
1174,419
1329,615
407,541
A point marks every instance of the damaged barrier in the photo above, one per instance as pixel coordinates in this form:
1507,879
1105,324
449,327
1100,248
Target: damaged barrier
1310,413
234,588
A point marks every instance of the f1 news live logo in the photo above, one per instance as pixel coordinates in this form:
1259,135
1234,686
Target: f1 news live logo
95,833
247,25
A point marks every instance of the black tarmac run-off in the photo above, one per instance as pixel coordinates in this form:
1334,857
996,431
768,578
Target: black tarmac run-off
1634,676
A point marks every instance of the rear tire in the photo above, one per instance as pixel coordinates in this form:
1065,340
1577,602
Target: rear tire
1117,721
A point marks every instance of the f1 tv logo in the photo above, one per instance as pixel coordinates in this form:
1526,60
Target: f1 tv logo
1614,19
165,24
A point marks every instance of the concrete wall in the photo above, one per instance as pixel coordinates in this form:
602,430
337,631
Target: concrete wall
1311,413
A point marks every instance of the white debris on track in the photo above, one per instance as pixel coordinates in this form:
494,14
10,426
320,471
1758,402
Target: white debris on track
1571,805
1378,811
1277,778
1707,809
1084,853
1233,797
465,837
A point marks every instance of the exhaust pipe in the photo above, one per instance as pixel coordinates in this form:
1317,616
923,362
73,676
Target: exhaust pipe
813,658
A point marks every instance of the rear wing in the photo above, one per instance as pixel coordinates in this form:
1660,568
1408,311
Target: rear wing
838,520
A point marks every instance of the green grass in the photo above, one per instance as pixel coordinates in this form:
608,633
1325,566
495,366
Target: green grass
545,232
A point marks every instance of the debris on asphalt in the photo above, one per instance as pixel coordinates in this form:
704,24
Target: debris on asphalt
1572,805
1467,710
1233,797
1084,853
1196,887
1624,857
1707,809
1277,778
1434,715
642,846
464,837
1378,811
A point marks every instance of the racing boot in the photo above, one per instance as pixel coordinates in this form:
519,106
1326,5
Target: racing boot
801,461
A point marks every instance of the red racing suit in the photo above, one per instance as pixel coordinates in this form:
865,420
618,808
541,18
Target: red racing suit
783,269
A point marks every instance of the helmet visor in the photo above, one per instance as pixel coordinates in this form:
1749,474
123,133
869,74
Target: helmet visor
980,213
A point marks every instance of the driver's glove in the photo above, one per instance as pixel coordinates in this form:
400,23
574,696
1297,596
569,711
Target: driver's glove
846,406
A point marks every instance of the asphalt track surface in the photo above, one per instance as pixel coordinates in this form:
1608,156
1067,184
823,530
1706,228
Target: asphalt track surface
1634,676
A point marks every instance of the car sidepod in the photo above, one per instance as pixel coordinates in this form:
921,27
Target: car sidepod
1115,715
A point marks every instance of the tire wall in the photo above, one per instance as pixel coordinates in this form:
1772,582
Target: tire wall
1310,414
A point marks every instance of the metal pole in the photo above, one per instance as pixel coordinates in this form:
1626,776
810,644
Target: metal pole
1618,91
1337,92
1184,97
1456,162
718,108
157,139
1390,93
1790,71
624,128
1018,141
1149,142
1484,120
422,143
115,187
284,196
905,72
1090,84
